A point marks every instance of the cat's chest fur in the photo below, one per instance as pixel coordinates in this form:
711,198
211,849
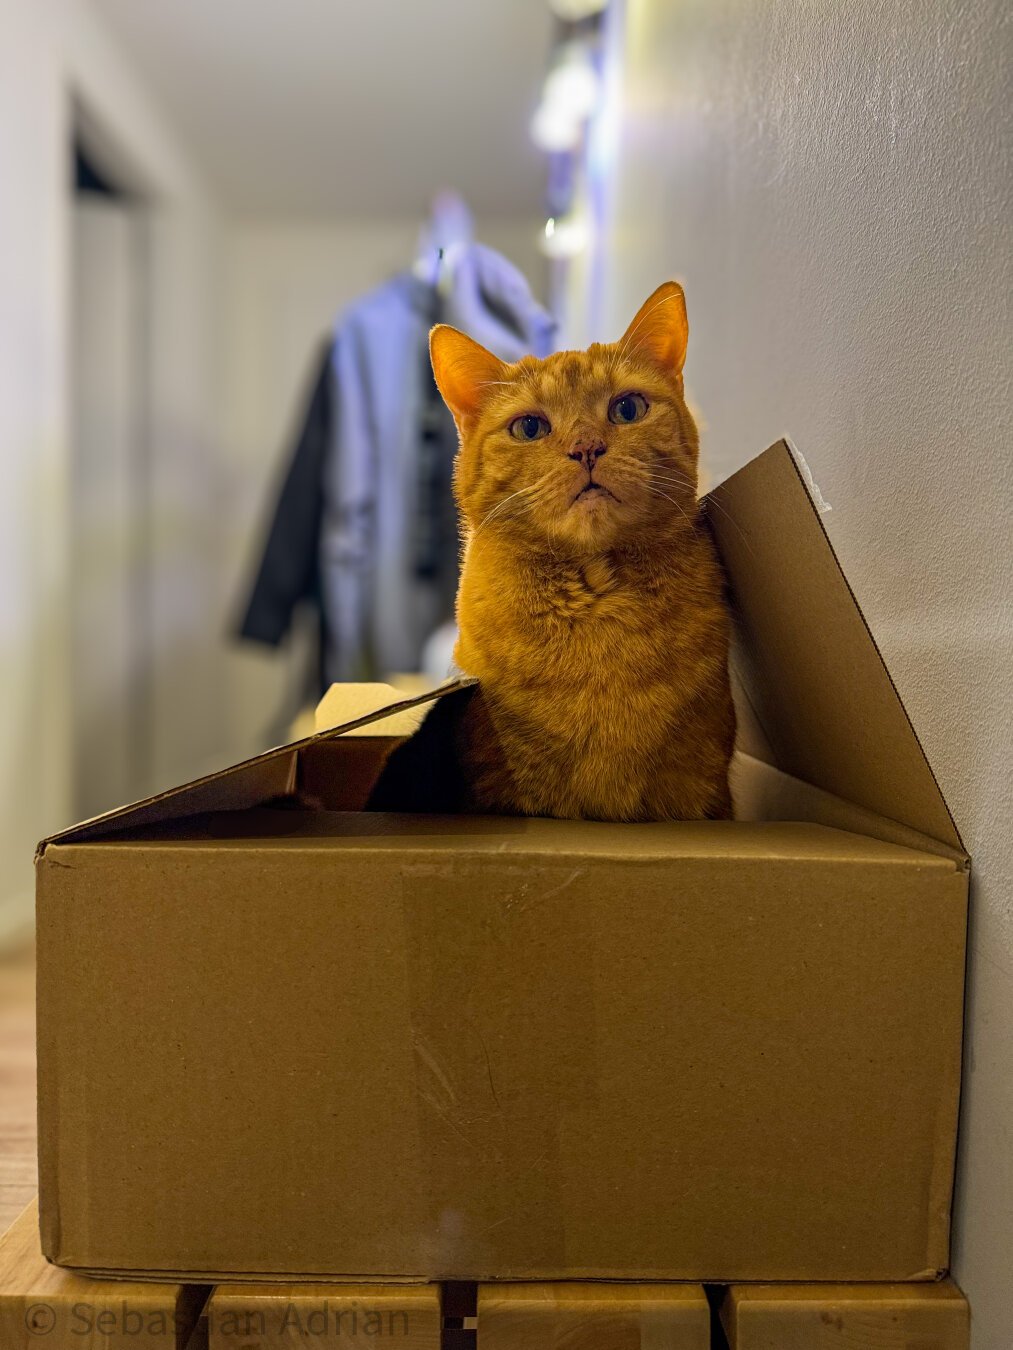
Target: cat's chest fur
568,663
571,626
591,675
576,594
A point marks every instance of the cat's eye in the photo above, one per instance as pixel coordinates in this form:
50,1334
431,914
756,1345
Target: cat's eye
628,408
530,427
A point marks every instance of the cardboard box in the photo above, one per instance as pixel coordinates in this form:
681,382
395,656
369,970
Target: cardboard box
828,1316
279,1036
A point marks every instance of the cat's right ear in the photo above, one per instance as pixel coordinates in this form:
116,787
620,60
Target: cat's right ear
464,370
659,330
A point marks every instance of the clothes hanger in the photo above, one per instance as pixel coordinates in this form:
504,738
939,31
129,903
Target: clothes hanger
449,229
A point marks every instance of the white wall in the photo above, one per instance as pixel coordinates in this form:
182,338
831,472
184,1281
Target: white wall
50,55
183,427
286,282
34,707
829,182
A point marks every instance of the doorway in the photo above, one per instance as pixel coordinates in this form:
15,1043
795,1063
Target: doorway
109,565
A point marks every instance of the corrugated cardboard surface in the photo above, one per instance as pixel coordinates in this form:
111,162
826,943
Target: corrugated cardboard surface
310,1043
817,694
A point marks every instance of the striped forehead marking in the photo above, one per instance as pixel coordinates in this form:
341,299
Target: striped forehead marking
568,373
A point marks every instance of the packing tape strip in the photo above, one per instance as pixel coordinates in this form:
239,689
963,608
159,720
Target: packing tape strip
505,1047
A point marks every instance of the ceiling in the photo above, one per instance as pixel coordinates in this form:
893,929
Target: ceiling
353,107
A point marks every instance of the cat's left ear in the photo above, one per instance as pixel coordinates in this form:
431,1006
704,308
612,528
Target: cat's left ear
660,330
463,369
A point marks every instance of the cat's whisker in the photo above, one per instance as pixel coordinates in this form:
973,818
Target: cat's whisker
669,478
650,487
499,507
679,483
713,501
655,477
669,470
532,488
707,503
663,466
671,487
658,492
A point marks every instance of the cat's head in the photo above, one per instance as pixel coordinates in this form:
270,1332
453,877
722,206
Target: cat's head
582,451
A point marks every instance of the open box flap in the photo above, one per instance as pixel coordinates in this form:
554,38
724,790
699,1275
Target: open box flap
250,783
816,699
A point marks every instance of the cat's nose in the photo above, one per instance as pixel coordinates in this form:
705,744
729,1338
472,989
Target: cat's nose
588,454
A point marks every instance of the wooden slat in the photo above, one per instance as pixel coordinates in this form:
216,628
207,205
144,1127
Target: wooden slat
831,1316
45,1308
342,1316
586,1316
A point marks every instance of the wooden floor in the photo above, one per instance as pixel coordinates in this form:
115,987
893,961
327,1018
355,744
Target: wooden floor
17,1083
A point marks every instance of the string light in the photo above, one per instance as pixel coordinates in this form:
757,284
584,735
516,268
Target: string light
569,97
554,128
564,236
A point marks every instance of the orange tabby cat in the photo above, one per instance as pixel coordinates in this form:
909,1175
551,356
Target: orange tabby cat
590,604
591,599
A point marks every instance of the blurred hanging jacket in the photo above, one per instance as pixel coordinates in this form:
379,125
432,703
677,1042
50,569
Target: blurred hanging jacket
289,570
370,477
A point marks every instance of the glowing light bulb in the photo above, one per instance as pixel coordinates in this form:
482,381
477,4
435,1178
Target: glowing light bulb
565,236
573,86
554,128
569,96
